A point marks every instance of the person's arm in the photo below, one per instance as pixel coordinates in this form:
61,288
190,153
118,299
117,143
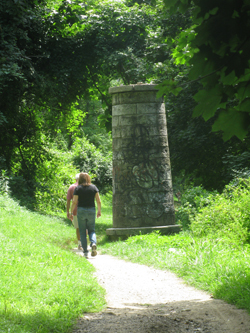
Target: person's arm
98,201
68,208
74,203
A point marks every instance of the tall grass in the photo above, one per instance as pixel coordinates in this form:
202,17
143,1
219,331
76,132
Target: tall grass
44,287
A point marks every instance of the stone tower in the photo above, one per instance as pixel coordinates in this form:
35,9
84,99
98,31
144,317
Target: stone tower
142,183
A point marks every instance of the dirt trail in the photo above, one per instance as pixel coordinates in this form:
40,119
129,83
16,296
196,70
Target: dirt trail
144,299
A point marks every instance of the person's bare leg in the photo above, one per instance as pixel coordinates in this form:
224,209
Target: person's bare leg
79,239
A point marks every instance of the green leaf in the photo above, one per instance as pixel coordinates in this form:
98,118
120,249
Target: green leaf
246,76
167,87
244,92
209,101
201,67
171,3
229,79
176,90
231,122
244,106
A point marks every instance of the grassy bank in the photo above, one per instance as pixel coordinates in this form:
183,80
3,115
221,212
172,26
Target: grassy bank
213,255
213,266
44,287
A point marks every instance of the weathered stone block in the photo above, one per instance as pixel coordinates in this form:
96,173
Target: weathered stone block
151,108
147,120
115,121
119,110
134,97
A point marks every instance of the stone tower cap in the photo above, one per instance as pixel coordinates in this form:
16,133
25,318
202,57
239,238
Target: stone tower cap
133,87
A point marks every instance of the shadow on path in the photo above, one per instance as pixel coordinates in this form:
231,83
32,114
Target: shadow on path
176,317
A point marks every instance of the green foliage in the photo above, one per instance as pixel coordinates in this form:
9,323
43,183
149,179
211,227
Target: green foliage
62,57
27,86
196,152
216,47
58,54
37,292
53,181
226,216
43,75
4,182
133,48
59,170
56,172
96,162
179,241
192,200
105,221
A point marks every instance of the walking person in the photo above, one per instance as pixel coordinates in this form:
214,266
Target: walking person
73,217
85,195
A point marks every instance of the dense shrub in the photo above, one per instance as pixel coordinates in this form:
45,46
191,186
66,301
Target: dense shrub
192,199
4,182
95,161
18,188
53,181
59,172
46,188
226,215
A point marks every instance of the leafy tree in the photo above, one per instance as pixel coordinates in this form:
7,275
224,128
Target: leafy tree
198,154
39,79
54,54
129,45
216,47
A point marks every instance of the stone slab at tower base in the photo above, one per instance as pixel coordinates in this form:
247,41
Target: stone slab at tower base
142,183
124,233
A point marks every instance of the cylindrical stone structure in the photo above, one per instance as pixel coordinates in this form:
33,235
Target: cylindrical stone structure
142,182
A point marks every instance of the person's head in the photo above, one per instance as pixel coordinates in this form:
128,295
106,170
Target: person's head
77,176
84,179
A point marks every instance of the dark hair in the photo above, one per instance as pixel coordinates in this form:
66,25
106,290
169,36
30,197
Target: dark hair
84,179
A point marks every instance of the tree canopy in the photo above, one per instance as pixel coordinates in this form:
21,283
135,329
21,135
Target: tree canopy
53,53
216,47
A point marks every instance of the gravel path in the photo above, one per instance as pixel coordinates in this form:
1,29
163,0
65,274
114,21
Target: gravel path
144,299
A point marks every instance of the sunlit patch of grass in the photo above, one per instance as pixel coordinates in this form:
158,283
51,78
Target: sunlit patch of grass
44,287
